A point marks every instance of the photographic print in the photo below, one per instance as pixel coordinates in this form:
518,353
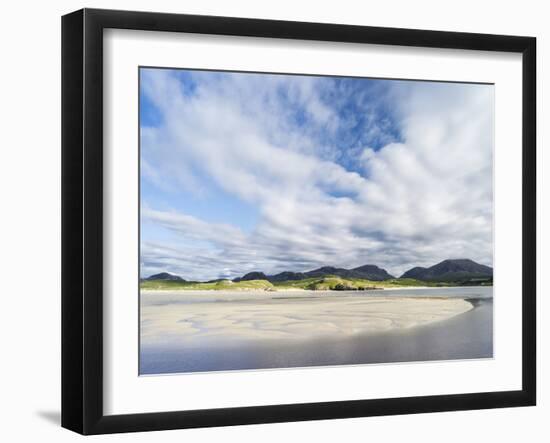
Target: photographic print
291,221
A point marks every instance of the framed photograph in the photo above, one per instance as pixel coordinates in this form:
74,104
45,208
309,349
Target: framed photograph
268,221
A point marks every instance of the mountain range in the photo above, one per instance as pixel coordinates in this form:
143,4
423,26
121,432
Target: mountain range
367,272
450,270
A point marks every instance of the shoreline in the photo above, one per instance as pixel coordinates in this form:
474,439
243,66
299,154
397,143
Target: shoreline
308,291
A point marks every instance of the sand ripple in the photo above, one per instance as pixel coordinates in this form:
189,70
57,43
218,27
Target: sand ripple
183,318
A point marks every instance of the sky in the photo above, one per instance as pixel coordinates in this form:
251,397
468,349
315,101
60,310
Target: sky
244,172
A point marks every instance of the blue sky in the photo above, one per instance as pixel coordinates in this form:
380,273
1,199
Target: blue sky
244,171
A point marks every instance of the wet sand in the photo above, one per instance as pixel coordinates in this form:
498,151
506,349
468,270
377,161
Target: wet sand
217,332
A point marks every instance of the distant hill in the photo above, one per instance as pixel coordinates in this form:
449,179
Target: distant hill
367,272
454,270
164,276
287,276
251,276
416,272
371,272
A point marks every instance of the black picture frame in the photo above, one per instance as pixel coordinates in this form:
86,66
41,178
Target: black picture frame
82,218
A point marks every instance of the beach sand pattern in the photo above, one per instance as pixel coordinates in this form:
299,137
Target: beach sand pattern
172,317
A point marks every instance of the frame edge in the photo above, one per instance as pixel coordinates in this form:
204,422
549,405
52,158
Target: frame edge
72,221
529,220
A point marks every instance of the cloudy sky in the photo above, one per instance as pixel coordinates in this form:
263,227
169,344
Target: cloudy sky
249,172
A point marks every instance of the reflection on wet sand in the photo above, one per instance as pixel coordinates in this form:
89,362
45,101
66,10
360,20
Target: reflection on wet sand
206,334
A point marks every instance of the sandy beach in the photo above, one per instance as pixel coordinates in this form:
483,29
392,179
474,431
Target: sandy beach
193,318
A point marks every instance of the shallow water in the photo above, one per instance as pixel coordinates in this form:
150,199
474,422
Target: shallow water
465,336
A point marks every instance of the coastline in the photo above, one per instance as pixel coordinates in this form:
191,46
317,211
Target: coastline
308,291
286,289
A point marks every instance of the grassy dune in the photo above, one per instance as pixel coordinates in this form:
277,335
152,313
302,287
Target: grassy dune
197,286
336,283
315,284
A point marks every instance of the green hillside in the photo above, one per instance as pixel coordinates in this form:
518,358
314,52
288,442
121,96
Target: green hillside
325,283
197,286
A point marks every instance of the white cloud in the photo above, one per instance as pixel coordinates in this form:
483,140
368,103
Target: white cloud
419,201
